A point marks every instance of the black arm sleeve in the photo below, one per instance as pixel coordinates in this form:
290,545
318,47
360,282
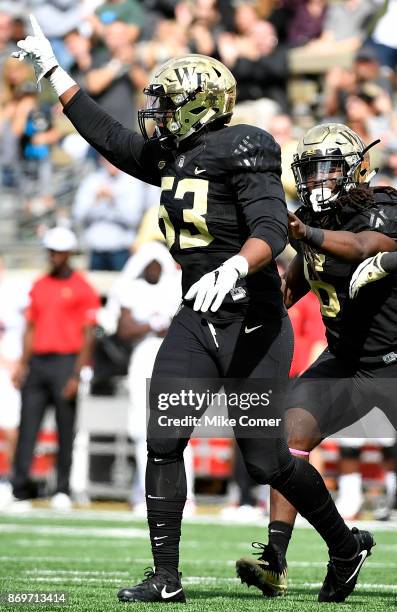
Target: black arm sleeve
124,148
261,196
389,262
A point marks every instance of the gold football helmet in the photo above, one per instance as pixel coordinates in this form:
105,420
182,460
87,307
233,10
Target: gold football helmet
330,160
184,95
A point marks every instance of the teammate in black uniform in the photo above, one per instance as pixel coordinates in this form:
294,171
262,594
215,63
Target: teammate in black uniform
224,218
342,222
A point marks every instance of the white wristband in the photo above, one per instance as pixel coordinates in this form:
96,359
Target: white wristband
239,263
61,81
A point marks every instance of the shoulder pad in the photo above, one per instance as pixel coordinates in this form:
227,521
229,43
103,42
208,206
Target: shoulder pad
359,222
385,195
383,218
253,150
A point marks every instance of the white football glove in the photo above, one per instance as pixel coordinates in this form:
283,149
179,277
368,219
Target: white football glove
212,288
38,49
368,271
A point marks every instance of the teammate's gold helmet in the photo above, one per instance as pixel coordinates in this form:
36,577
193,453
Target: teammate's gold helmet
185,94
330,160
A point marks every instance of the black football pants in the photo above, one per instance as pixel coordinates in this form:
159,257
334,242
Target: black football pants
244,349
43,387
195,349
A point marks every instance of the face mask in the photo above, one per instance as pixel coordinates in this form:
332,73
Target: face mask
320,197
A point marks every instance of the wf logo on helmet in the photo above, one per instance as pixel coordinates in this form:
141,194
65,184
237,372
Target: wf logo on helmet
188,74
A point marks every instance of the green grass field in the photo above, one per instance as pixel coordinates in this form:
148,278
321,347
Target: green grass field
91,558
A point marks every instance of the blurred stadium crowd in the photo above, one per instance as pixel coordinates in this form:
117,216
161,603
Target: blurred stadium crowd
296,62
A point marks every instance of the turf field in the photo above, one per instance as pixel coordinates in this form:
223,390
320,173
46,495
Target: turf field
91,557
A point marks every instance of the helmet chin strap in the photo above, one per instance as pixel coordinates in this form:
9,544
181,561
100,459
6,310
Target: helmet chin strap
320,197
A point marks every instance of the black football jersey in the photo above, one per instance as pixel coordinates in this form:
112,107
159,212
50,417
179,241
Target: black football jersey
365,328
217,191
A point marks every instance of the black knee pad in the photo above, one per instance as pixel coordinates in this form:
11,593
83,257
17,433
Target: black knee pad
266,459
166,479
350,452
166,450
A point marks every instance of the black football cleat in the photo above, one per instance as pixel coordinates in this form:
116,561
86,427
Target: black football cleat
342,574
268,572
158,586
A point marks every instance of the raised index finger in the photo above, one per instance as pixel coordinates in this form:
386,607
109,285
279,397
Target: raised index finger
37,31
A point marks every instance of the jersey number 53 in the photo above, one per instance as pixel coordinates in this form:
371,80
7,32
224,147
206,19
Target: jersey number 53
195,215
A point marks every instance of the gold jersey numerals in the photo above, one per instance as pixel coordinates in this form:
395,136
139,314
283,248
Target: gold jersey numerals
329,306
195,215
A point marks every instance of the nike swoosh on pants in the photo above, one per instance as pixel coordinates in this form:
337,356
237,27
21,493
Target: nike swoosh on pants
251,329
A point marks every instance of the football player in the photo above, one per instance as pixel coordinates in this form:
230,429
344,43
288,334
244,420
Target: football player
224,218
342,221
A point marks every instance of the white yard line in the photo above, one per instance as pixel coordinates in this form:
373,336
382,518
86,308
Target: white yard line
205,519
67,579
374,564
198,580
50,559
78,514
360,585
44,572
236,547
75,531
